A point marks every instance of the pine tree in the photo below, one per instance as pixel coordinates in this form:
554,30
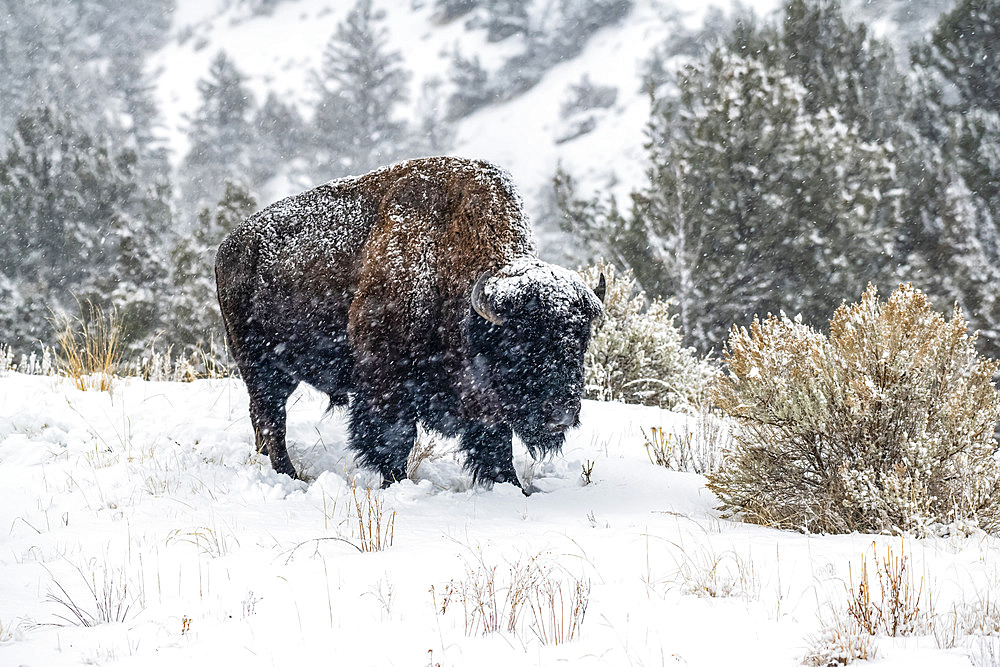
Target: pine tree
795,164
506,18
221,135
360,86
449,10
966,49
73,206
434,133
472,87
193,320
962,57
756,205
841,65
281,137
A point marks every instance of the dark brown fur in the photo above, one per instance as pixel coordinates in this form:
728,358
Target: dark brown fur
360,287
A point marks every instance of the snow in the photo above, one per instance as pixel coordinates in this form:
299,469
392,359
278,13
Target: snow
280,51
154,486
525,278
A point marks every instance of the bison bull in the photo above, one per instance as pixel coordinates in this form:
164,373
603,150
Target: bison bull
414,294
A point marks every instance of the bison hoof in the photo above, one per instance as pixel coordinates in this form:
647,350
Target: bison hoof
284,466
391,478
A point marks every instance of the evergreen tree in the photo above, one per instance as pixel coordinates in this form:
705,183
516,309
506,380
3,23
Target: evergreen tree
449,10
360,86
281,137
74,208
960,61
434,134
955,168
472,88
506,18
87,57
965,48
578,21
46,56
221,135
193,320
793,165
841,65
756,205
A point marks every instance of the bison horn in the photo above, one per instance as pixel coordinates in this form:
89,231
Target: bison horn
602,287
480,305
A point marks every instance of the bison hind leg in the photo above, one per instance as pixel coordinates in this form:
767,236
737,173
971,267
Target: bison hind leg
269,391
489,454
381,443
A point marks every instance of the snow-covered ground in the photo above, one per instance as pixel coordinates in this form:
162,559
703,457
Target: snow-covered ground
149,498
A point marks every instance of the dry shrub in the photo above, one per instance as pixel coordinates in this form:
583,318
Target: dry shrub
892,603
492,602
111,597
900,606
839,642
697,446
376,526
89,347
637,354
30,364
885,425
194,363
558,609
704,573
985,652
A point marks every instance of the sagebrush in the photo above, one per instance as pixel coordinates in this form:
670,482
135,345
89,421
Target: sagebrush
637,353
887,424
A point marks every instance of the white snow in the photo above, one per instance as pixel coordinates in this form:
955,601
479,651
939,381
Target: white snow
279,52
154,487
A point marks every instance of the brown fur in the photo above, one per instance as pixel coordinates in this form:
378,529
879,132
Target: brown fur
361,287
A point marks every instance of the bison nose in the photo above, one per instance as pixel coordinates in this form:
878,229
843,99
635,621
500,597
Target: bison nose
560,417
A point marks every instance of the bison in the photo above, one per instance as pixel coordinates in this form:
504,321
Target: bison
413,294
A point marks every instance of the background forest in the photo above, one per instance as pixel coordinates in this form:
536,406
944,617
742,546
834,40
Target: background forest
790,159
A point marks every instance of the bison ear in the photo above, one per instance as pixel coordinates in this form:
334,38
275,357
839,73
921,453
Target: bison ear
481,305
602,287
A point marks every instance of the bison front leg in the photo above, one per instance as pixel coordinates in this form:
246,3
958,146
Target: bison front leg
381,442
489,454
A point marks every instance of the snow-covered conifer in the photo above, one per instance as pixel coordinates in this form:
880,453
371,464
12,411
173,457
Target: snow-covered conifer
360,85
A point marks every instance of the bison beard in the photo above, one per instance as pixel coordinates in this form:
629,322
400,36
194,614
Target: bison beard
413,293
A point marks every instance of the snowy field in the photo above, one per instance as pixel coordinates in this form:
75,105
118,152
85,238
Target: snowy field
147,506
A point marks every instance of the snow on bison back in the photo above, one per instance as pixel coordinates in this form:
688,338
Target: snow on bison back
413,293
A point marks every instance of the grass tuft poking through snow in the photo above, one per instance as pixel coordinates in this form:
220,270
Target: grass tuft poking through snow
496,599
376,526
111,596
89,347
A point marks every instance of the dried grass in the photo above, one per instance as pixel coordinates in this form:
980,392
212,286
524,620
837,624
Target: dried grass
376,526
89,347
494,602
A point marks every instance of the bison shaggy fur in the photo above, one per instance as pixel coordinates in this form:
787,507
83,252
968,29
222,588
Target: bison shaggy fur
413,294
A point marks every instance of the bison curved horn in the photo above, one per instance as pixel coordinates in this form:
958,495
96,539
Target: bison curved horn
480,305
601,289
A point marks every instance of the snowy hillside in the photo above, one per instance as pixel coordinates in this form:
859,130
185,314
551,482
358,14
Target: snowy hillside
146,507
279,51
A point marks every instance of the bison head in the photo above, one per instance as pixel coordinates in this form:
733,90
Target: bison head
529,327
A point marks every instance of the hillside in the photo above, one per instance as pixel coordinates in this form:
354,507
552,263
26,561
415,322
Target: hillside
528,135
